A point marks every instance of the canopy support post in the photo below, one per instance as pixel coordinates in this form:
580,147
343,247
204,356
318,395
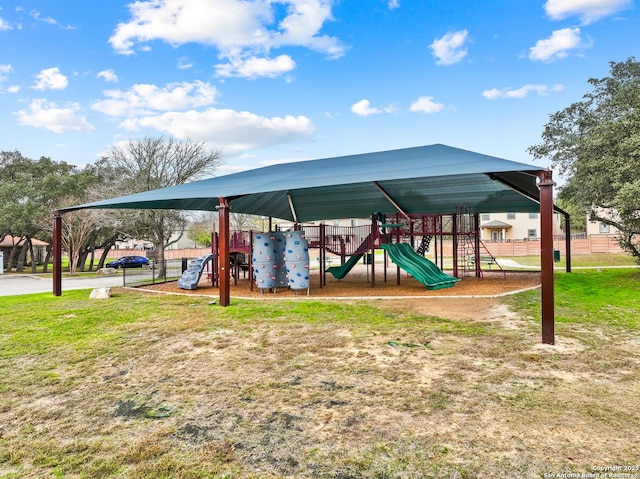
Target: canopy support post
223,251
390,199
293,210
545,183
57,253
455,244
567,241
372,249
322,254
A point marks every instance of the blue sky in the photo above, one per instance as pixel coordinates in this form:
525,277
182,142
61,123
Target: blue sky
268,81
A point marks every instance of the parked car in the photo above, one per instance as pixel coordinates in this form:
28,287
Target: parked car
128,262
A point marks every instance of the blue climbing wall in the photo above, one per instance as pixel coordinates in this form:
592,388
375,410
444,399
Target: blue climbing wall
281,276
265,261
297,260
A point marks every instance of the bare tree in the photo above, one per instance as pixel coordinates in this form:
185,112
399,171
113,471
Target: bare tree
243,221
77,229
151,163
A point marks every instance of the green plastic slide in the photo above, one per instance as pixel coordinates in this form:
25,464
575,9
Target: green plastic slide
341,271
419,267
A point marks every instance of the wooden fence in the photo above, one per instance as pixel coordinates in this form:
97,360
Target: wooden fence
589,245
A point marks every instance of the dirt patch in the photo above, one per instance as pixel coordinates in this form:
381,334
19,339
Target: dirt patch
470,299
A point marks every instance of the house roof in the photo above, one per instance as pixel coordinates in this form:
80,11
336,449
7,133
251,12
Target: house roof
425,179
496,224
10,241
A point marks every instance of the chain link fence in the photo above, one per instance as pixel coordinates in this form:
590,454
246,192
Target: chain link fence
156,272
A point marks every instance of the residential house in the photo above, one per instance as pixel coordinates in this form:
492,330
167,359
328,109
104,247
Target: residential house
9,242
514,226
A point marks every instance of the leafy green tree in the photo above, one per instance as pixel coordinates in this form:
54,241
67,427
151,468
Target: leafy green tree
29,190
200,233
595,144
148,164
577,211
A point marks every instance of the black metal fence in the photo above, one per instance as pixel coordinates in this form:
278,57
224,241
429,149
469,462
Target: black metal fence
156,272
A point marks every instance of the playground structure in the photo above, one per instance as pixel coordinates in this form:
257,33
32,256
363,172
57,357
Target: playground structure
280,259
191,276
422,179
405,240
418,266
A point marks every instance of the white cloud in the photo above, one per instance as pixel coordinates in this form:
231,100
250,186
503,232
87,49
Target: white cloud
521,92
557,46
4,70
588,11
36,15
450,48
363,108
184,63
240,29
108,76
144,99
4,26
254,67
426,104
50,79
393,4
233,131
44,114
51,21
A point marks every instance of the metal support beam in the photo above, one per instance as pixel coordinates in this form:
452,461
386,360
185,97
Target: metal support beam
223,251
57,253
476,243
372,236
454,231
322,254
545,183
293,210
567,240
391,200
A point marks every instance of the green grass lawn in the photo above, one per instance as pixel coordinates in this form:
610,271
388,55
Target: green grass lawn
159,386
595,297
580,260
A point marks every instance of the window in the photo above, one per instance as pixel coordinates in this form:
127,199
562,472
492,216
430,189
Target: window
533,216
486,216
511,216
532,234
605,228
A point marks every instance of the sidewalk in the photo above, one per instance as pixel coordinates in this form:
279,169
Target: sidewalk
13,284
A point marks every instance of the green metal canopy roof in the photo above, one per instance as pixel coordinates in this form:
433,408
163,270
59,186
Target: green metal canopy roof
426,179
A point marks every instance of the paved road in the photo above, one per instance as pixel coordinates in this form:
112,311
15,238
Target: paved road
13,284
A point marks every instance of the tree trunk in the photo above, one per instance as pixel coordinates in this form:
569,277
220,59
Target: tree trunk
11,262
162,267
106,247
82,260
34,260
72,261
45,267
103,256
93,257
21,257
